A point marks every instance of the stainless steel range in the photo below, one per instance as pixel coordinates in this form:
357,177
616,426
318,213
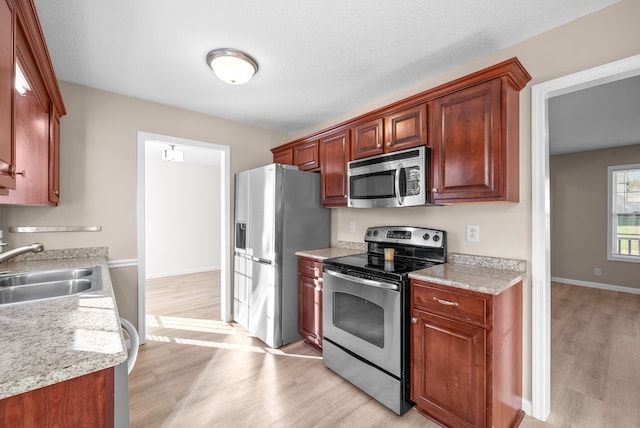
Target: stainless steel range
366,310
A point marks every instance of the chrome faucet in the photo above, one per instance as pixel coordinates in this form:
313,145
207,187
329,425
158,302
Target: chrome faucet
33,248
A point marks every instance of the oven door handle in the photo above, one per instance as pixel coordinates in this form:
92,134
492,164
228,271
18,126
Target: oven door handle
379,284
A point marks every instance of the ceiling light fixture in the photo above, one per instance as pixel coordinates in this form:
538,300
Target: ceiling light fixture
232,66
172,155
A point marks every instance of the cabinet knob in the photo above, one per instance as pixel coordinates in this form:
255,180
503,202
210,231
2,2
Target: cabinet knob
22,173
388,143
56,192
434,190
414,320
378,145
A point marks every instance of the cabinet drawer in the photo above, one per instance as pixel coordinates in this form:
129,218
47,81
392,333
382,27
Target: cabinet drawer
449,303
310,267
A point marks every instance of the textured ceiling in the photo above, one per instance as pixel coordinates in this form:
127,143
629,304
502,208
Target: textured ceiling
318,59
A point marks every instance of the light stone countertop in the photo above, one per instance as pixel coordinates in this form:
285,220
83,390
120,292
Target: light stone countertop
489,275
53,340
329,253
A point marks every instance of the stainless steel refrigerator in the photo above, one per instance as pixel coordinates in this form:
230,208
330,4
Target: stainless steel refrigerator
277,212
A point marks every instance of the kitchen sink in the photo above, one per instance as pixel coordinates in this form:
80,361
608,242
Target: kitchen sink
25,287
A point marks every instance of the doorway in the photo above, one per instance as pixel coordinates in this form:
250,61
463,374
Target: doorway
162,236
540,216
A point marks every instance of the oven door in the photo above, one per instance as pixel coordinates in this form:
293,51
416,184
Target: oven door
363,317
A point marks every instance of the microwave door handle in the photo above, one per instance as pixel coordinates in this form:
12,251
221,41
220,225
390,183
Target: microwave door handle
399,197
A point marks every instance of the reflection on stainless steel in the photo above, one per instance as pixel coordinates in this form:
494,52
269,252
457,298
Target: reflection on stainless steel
33,248
277,212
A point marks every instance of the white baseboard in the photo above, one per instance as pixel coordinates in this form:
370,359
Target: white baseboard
599,285
182,272
526,406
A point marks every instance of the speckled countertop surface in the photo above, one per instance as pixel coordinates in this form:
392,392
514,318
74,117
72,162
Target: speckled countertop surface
344,248
53,340
489,275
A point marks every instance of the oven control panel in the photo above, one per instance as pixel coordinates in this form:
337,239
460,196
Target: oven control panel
406,235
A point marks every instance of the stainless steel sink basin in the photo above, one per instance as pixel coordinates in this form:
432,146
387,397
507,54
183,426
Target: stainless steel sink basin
24,287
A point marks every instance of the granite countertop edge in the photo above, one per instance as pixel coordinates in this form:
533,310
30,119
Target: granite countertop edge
488,275
53,340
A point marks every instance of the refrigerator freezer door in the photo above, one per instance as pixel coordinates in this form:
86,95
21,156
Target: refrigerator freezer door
264,307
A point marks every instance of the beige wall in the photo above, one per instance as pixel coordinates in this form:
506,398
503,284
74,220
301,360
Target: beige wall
505,229
579,216
98,176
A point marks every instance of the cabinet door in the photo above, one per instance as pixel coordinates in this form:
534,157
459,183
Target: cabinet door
367,139
448,370
468,157
406,129
7,67
307,155
310,309
283,156
32,152
334,155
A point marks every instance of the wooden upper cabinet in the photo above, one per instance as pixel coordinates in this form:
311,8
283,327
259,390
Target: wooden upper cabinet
395,131
35,114
406,129
334,155
306,155
7,66
284,156
367,139
470,123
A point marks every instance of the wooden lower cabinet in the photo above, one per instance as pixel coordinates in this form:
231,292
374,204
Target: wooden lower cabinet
310,301
85,401
466,355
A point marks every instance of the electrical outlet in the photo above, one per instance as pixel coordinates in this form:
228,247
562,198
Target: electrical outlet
352,226
473,233
597,271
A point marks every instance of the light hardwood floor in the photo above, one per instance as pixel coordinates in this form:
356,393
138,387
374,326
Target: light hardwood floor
196,371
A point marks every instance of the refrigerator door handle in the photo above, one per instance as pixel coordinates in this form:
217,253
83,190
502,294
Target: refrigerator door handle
263,261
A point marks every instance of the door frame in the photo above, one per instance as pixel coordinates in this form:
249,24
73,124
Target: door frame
225,192
540,216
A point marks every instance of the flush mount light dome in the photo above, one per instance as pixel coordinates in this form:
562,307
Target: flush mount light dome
232,66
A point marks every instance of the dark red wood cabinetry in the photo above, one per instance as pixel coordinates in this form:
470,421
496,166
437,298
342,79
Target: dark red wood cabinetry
85,401
310,301
7,93
334,155
398,130
466,355
35,126
470,123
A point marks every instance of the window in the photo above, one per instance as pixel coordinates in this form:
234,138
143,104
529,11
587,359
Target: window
624,213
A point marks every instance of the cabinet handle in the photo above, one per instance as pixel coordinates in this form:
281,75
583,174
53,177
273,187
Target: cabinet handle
414,320
445,302
22,173
310,268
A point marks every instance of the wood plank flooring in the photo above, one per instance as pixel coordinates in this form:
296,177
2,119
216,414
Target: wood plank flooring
196,371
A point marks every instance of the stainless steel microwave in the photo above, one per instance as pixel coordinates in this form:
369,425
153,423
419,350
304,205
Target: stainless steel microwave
398,179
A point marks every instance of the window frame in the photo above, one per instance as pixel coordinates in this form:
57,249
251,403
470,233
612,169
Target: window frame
611,224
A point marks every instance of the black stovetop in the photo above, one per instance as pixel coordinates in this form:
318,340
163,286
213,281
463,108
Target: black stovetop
375,264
